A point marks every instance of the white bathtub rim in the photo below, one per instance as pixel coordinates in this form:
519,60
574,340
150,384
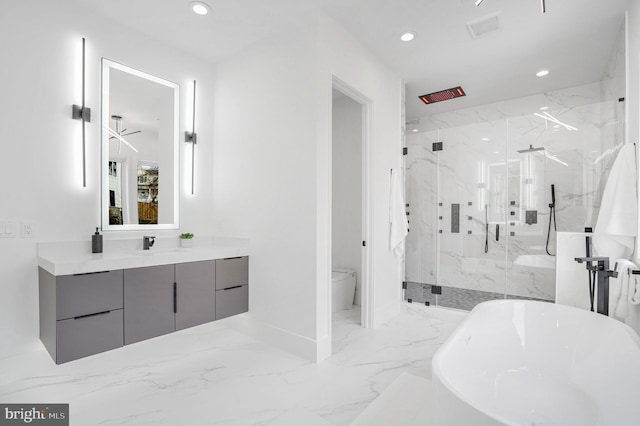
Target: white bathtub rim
436,361
437,374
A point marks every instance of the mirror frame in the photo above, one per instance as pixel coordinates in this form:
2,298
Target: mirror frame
107,65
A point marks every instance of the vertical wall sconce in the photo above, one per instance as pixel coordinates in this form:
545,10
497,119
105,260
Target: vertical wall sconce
192,137
81,112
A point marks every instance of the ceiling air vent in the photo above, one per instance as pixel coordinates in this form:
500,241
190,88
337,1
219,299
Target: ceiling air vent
483,26
443,95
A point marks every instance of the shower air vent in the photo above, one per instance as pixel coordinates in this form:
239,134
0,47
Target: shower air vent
483,26
443,95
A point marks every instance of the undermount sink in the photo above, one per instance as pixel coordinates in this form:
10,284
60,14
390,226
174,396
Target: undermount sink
159,251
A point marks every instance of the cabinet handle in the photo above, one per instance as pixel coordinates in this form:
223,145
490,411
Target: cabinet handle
175,298
91,315
231,288
91,273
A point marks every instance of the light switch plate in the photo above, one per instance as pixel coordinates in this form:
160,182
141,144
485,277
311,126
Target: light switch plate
8,229
27,230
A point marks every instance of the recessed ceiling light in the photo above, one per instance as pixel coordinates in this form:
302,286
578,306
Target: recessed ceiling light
415,130
408,36
544,108
200,8
485,139
542,73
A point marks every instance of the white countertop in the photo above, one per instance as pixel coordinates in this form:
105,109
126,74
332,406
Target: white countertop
67,258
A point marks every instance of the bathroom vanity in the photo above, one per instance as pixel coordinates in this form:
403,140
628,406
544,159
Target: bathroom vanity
91,303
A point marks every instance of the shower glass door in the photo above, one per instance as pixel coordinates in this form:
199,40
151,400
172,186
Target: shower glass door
457,192
421,254
472,196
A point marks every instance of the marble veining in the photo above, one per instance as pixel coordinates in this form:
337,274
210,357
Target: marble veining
214,375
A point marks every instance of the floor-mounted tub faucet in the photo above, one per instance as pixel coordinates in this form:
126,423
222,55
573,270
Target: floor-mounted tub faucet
601,267
147,242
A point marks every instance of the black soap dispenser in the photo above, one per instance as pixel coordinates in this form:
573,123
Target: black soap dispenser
96,242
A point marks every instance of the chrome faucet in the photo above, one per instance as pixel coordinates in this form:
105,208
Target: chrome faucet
147,242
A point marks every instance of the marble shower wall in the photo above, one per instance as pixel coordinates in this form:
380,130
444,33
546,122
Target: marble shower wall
480,170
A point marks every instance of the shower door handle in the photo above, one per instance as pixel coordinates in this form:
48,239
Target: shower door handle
497,232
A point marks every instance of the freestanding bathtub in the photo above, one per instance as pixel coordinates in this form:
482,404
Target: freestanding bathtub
515,362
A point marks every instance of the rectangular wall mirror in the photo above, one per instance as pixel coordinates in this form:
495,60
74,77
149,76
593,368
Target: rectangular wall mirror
140,150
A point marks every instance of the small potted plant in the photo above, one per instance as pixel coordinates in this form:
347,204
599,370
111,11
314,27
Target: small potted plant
186,239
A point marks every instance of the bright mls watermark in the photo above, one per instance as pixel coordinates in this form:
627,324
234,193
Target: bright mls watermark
34,414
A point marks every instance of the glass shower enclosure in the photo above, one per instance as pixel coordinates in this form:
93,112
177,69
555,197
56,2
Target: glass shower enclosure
480,198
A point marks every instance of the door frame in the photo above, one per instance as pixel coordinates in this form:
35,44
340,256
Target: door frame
367,295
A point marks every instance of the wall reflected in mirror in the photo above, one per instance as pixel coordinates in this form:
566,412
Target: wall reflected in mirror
140,150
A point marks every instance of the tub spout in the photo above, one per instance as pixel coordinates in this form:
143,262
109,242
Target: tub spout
600,265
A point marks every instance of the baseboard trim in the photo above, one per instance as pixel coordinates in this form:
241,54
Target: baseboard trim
296,344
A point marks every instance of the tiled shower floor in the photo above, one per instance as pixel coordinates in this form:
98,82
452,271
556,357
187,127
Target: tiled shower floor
452,297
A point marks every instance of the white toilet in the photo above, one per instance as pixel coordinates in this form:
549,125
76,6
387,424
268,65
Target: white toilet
343,289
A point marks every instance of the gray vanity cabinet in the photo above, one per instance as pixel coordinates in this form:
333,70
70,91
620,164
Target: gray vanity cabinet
80,315
89,313
232,286
148,302
195,293
162,299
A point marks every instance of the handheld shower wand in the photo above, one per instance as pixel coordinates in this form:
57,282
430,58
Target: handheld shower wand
592,274
486,228
552,216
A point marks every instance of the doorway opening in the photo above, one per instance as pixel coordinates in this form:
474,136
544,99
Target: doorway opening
350,291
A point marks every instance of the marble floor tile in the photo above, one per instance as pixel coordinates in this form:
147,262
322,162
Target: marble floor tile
214,375
407,402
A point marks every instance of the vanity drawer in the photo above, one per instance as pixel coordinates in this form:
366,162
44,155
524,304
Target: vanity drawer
232,301
89,335
84,294
232,272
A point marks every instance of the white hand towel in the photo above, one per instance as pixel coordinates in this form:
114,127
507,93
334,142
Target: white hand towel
397,215
615,230
633,317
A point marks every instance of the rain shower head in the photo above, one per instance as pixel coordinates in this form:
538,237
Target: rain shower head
530,149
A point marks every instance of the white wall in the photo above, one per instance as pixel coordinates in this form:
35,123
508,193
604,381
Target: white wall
633,72
346,165
632,103
264,181
273,176
41,144
343,58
